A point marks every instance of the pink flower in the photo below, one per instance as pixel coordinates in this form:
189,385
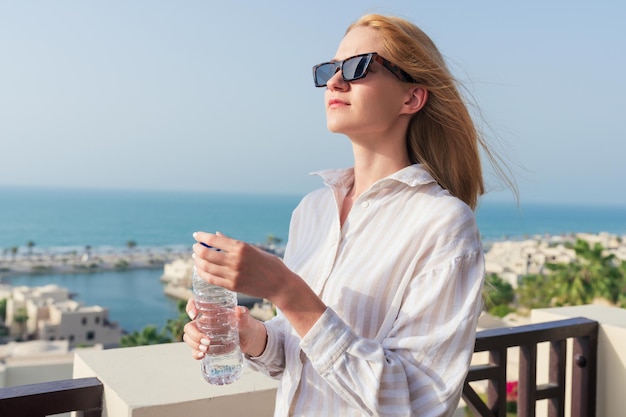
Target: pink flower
511,391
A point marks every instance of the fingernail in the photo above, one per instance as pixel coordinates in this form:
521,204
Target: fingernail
191,314
200,355
195,234
203,348
204,341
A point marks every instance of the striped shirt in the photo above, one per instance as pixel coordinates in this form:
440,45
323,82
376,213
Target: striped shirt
402,282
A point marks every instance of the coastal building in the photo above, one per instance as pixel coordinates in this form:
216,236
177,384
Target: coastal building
612,244
511,260
48,313
177,278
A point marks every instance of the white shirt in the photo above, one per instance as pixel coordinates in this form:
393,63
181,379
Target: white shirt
402,282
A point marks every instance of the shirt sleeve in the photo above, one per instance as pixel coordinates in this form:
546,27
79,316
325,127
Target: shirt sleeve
272,361
418,368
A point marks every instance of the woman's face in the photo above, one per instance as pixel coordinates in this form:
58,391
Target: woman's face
372,106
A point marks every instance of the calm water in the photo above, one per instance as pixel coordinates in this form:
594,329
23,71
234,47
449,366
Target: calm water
63,220
501,221
134,298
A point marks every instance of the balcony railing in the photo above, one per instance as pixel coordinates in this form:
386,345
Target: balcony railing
86,395
584,333
83,395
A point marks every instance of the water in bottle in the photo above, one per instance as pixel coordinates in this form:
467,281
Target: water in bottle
223,361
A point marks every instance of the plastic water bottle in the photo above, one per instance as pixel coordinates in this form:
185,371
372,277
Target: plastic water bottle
223,361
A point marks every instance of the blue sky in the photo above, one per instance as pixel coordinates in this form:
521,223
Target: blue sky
218,96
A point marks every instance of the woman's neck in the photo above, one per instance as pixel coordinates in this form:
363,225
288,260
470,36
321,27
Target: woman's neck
366,173
371,167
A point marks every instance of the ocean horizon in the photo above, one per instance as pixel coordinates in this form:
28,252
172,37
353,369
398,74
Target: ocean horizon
68,218
59,220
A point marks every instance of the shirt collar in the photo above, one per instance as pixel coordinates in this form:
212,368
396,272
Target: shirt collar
413,175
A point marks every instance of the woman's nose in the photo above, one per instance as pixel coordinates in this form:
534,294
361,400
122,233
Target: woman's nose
336,82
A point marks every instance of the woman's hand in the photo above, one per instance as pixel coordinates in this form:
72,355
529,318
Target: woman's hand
252,333
239,266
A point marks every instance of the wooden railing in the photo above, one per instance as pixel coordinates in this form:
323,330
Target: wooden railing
38,400
85,395
584,334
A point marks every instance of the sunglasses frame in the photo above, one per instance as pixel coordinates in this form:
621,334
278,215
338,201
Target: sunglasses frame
372,56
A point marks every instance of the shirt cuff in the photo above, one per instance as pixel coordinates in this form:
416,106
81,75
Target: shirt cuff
327,340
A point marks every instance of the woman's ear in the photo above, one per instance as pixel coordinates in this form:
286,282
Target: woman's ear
418,96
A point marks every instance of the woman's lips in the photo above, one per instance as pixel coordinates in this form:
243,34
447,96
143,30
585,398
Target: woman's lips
334,103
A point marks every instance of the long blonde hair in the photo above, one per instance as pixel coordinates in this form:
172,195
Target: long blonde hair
442,135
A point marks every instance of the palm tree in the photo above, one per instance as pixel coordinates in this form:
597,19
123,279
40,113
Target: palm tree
131,244
3,310
535,291
573,283
591,275
497,294
149,335
272,240
21,317
608,279
175,327
621,301
30,244
172,332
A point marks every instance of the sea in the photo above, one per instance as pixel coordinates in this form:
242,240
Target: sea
65,220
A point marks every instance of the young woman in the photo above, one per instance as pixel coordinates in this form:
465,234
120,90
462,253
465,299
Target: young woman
380,287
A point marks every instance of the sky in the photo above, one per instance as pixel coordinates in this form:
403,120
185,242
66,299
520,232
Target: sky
218,96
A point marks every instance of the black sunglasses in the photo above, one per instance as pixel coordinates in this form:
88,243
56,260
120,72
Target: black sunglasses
355,68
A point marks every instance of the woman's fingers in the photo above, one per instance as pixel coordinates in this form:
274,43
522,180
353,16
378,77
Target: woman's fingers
216,242
204,237
198,342
191,309
242,313
238,266
195,353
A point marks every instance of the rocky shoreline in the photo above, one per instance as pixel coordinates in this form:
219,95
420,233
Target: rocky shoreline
88,262
517,256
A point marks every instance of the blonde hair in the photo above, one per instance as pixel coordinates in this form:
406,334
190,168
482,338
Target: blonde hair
442,135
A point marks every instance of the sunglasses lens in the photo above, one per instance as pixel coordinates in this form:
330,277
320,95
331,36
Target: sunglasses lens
351,69
325,72
355,68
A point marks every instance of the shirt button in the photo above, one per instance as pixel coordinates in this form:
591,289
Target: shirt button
365,204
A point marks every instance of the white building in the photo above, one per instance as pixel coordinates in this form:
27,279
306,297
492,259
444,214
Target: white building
53,315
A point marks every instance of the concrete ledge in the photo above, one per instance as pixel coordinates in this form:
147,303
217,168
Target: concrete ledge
164,380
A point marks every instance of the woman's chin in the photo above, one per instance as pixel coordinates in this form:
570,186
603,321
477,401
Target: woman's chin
335,127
